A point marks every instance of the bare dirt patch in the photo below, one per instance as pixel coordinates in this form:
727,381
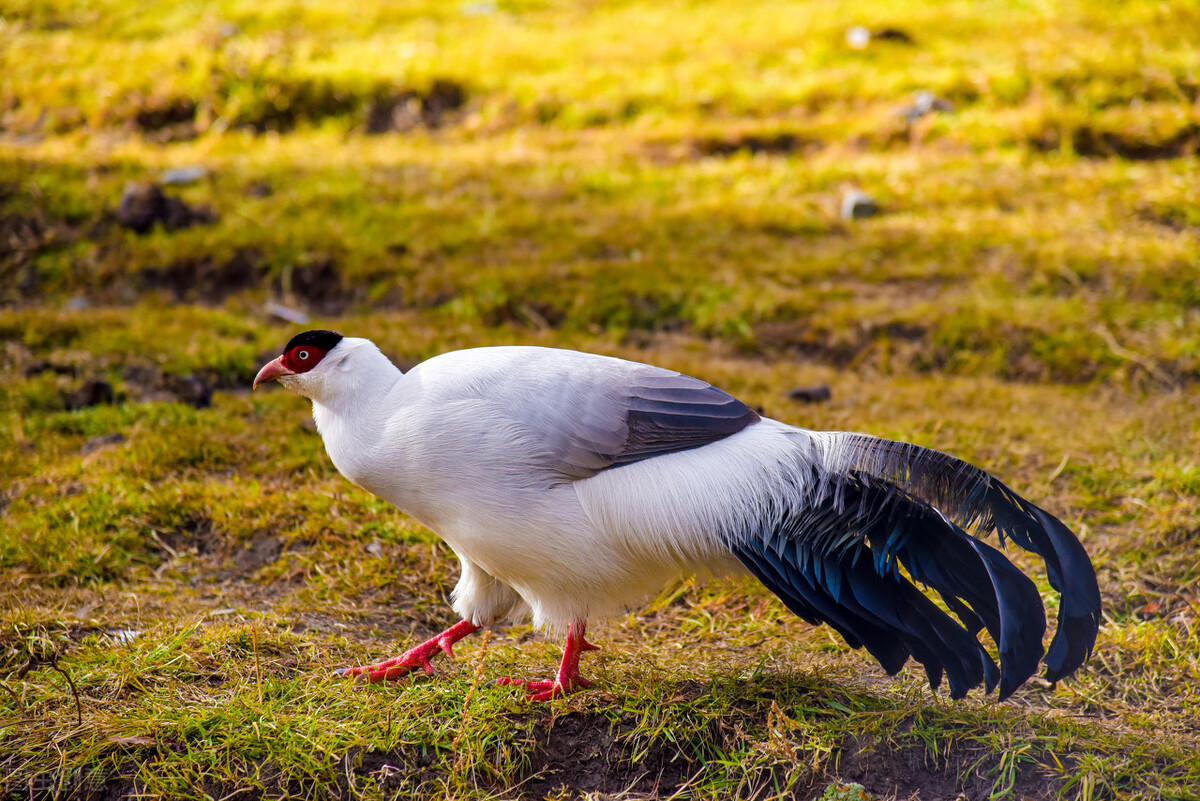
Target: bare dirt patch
407,109
581,754
172,120
204,278
146,205
911,772
1091,142
587,754
769,143
765,143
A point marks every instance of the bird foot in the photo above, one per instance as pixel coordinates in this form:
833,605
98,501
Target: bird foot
417,657
568,679
548,689
395,668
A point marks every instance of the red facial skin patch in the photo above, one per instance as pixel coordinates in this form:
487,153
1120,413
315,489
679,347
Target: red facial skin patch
303,358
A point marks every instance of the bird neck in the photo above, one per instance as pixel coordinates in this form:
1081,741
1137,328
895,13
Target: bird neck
352,411
357,386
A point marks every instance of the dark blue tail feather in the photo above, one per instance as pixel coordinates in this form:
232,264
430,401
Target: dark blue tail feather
1068,569
838,561
977,501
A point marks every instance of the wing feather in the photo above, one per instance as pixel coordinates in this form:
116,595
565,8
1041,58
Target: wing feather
619,412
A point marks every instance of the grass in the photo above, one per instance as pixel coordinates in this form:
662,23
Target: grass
658,181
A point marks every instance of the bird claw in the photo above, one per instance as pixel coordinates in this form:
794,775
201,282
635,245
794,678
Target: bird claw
568,679
373,674
401,666
391,669
547,689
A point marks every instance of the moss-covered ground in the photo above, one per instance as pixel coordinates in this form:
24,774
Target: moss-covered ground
181,568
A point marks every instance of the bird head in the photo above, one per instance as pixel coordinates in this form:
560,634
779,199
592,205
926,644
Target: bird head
305,364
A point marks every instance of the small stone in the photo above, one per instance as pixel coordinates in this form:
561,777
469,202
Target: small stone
818,393
183,175
145,205
287,313
259,189
858,37
857,204
925,102
93,392
142,205
95,443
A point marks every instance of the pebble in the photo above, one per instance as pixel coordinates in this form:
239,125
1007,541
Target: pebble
286,313
95,443
857,205
818,393
93,392
180,176
925,102
858,37
145,205
259,189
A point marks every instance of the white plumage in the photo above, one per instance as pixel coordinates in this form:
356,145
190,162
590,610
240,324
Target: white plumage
572,486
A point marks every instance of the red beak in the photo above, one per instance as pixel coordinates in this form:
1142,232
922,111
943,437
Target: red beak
271,371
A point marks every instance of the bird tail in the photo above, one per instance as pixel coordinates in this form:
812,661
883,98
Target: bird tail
869,517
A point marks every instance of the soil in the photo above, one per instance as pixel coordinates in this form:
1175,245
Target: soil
143,206
171,121
774,143
317,284
908,772
584,756
220,559
409,109
777,143
205,278
1091,143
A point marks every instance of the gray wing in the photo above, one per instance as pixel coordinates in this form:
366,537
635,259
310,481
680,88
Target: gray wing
596,412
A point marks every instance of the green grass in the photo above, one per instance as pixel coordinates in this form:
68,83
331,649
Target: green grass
658,181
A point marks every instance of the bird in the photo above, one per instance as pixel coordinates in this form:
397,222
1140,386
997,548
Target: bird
573,486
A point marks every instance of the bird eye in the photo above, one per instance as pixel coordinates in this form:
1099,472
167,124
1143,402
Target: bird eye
302,355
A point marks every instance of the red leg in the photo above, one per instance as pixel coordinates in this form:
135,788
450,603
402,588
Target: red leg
415,657
568,678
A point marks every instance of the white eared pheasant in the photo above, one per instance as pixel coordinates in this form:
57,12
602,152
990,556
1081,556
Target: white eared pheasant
572,486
